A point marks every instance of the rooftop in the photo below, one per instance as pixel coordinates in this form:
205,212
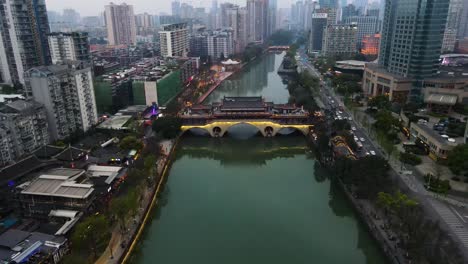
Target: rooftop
116,122
59,182
242,103
433,134
442,99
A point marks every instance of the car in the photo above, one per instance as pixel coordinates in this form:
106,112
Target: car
372,153
353,128
362,139
356,139
350,118
332,101
367,153
340,112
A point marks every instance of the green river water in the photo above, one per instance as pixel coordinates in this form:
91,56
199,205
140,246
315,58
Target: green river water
243,199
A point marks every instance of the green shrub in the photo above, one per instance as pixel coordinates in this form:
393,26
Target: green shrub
410,159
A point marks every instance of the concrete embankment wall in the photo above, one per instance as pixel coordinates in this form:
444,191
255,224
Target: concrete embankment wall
152,205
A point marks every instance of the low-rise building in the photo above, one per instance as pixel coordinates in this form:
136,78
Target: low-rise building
378,81
441,93
438,145
55,189
17,246
23,129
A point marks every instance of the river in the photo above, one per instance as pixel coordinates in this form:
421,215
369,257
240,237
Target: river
253,200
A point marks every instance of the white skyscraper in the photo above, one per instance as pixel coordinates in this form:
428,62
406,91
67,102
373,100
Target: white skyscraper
174,40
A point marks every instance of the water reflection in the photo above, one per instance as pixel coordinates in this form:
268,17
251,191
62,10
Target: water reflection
260,78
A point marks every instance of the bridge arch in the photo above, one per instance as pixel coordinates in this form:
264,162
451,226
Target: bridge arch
265,127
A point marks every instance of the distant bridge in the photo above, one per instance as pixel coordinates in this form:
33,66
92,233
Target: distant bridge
278,48
269,118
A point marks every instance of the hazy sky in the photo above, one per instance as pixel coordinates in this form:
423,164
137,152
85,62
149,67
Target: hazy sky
93,7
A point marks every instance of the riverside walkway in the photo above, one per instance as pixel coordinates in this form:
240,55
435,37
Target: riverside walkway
118,250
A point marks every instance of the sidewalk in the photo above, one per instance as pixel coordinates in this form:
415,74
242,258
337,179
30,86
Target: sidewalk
120,242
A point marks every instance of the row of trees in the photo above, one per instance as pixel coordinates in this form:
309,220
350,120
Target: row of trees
92,235
422,239
301,90
347,84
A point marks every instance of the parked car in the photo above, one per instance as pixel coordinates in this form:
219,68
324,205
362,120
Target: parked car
362,139
372,153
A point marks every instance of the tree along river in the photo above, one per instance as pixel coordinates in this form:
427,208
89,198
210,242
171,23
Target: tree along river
242,199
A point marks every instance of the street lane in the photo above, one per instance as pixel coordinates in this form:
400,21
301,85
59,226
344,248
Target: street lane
455,217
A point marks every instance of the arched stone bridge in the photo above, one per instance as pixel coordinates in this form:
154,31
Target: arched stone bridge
268,117
268,128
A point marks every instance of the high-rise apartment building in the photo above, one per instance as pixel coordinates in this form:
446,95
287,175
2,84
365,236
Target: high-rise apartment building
236,19
71,17
220,44
412,33
144,24
67,93
120,23
451,27
69,46
309,9
257,20
271,17
199,46
23,129
175,5
23,38
340,40
366,25
174,40
462,28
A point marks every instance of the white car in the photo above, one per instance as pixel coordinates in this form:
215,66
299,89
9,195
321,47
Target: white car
367,153
362,139
353,128
372,153
356,139
350,118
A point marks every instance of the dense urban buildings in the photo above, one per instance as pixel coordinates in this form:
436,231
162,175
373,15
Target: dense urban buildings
69,46
23,38
120,22
23,129
67,93
174,40
257,20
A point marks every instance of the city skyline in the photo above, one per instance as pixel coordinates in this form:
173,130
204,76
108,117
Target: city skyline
88,7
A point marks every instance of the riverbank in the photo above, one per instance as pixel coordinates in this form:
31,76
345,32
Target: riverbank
223,76
121,245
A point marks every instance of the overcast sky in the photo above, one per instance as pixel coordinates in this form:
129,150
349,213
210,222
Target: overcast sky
93,7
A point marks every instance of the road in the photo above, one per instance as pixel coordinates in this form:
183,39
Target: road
454,214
